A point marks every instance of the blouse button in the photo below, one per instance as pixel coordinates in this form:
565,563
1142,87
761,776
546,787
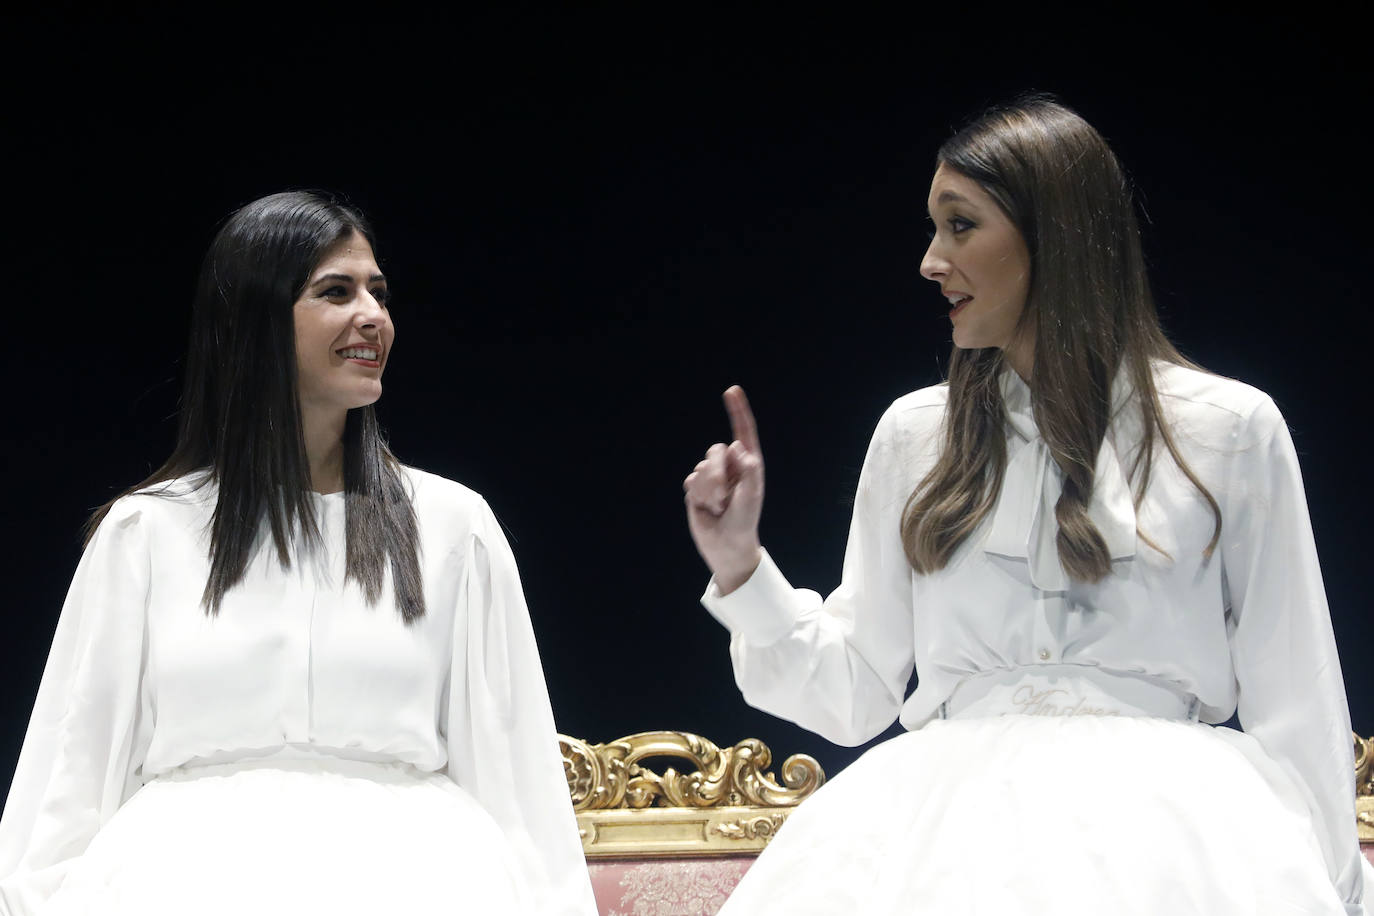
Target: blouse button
1044,655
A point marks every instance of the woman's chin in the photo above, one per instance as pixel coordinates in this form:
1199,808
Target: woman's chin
366,397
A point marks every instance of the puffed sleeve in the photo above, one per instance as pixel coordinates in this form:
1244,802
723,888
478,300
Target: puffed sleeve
81,753
502,744
837,667
1291,694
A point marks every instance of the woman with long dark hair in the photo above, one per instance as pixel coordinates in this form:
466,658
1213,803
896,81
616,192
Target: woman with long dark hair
1085,548
292,675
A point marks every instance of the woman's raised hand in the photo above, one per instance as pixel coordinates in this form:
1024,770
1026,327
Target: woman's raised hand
724,496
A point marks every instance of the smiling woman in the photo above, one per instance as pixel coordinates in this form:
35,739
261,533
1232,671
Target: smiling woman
341,318
344,334
291,675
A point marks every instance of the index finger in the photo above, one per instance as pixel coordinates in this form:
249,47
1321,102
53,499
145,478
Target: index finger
742,425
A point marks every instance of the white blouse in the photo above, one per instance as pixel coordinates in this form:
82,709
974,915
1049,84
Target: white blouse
1247,629
140,681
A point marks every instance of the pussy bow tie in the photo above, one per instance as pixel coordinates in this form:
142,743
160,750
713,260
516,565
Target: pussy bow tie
1024,524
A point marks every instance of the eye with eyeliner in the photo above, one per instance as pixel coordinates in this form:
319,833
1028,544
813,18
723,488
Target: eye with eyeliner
957,225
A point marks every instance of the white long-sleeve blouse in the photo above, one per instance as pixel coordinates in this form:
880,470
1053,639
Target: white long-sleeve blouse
1248,628
140,681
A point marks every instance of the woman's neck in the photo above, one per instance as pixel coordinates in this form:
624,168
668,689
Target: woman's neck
1020,355
323,434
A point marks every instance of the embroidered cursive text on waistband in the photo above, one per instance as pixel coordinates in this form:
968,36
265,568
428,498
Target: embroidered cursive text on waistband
1054,701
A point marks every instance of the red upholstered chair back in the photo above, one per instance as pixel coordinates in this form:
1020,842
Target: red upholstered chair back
677,887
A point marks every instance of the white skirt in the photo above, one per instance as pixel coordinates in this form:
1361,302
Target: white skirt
295,836
1039,813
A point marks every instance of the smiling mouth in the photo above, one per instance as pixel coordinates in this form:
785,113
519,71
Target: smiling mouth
366,356
957,303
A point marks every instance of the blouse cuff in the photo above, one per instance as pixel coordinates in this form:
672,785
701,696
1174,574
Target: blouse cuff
761,610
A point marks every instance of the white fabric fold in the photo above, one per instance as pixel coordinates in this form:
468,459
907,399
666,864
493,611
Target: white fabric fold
1024,524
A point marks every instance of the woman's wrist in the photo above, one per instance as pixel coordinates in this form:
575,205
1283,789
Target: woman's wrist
737,572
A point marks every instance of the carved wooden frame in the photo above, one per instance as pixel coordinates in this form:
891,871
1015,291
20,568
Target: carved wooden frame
1364,788
727,804
730,804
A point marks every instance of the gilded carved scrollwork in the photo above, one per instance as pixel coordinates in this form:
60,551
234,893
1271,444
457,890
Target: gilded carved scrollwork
751,828
1364,788
626,808
1364,766
611,775
723,801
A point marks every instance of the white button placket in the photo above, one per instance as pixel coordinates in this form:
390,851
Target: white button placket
297,613
308,678
327,577
1047,625
313,570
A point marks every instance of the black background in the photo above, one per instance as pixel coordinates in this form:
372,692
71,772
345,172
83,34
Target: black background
594,222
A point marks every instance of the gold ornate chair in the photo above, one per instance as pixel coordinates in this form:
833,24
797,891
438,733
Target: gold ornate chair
1364,794
677,842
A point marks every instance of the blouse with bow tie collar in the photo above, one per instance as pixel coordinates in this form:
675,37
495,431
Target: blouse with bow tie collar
1233,628
1023,524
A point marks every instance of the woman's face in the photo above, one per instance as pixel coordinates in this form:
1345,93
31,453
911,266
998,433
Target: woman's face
982,265
343,330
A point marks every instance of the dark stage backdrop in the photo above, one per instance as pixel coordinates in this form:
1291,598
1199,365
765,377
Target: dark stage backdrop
594,223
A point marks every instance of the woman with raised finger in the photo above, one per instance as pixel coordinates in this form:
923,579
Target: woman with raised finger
292,675
1087,549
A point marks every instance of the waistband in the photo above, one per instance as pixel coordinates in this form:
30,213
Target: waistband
313,759
1068,690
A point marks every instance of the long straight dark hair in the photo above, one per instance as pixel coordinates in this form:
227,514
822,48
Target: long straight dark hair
240,414
1090,311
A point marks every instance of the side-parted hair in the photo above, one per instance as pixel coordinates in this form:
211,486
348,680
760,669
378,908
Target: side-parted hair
1090,312
240,416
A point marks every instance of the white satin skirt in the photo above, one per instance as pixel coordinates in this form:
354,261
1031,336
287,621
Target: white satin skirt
1050,797
316,835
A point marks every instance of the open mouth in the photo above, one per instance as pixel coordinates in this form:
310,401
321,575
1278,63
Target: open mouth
957,302
365,356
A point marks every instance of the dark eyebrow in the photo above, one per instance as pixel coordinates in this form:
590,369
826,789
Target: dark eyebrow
948,196
375,278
